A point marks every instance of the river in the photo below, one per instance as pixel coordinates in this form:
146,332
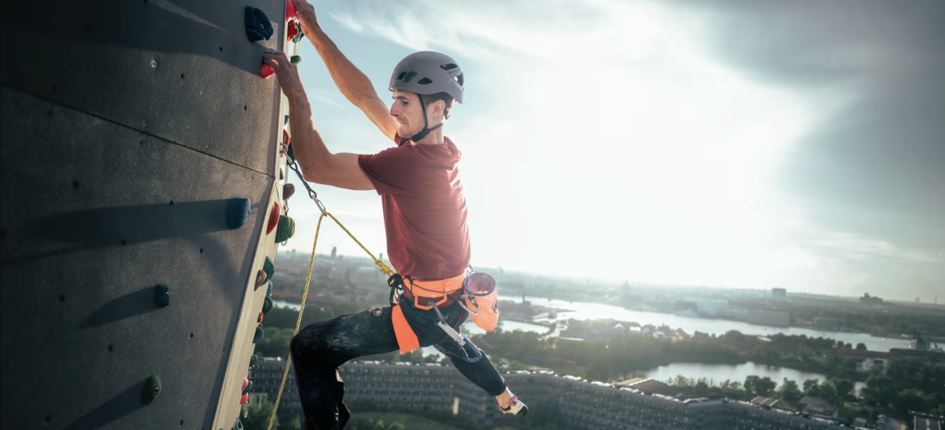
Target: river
717,373
592,311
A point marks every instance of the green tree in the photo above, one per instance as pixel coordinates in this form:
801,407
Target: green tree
909,400
758,386
843,389
861,346
258,417
812,388
295,424
789,391
879,390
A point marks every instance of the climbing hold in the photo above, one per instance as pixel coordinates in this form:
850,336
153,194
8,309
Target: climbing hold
247,386
259,319
286,139
257,24
269,268
293,30
269,293
237,212
288,190
260,279
273,217
244,399
296,59
266,71
290,11
298,37
286,229
286,120
267,305
238,425
290,153
162,295
152,388
260,334
281,175
252,360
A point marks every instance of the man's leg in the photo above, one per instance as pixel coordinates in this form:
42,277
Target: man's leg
320,348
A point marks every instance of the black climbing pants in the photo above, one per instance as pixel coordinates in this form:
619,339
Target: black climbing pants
320,348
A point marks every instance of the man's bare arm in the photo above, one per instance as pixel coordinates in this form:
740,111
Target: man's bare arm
316,162
353,83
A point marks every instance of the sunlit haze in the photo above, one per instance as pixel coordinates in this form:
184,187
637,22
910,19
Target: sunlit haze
664,142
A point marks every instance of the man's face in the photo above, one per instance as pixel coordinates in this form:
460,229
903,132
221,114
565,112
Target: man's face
408,113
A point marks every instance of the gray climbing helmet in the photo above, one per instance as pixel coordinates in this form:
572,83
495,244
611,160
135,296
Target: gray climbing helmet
427,73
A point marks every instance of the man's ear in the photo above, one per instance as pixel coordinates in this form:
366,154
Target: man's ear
438,107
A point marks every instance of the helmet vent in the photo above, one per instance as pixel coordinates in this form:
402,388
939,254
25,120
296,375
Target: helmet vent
425,81
406,76
460,80
449,66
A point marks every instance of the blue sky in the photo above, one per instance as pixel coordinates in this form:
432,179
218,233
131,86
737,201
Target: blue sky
751,145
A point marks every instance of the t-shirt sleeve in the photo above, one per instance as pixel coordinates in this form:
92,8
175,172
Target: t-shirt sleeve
390,170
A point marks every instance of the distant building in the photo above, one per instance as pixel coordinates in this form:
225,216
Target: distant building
866,360
631,405
778,292
267,377
334,251
765,402
927,422
711,307
815,406
867,300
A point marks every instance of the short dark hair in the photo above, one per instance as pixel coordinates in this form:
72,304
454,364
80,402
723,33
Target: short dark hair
448,99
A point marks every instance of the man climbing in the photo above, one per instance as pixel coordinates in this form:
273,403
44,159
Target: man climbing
424,215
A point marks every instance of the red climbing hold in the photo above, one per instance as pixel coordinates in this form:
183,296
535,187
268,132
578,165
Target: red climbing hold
244,399
266,71
293,30
273,218
287,191
286,139
290,11
259,320
245,383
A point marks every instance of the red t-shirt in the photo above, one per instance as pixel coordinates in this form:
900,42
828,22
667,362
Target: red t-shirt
424,208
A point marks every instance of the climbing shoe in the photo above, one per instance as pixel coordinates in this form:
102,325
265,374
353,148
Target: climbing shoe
515,408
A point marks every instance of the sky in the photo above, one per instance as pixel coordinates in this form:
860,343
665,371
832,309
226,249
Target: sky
738,144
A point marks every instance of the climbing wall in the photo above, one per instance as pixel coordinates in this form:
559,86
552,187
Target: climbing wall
140,167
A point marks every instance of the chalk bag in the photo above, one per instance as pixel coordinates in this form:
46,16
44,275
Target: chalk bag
257,24
162,295
237,212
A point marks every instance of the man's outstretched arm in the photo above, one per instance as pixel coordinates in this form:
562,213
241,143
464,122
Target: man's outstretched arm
354,84
316,162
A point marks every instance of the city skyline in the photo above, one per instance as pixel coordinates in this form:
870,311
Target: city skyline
745,146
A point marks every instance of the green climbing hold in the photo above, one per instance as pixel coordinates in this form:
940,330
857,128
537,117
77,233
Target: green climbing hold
286,229
248,387
152,388
291,153
296,59
260,334
286,120
252,360
267,305
281,175
269,292
268,267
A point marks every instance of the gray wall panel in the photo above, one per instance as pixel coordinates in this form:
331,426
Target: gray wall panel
70,288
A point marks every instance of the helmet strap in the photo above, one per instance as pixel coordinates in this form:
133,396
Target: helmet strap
426,125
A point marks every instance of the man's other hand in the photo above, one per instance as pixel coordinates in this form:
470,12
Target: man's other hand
287,72
307,15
